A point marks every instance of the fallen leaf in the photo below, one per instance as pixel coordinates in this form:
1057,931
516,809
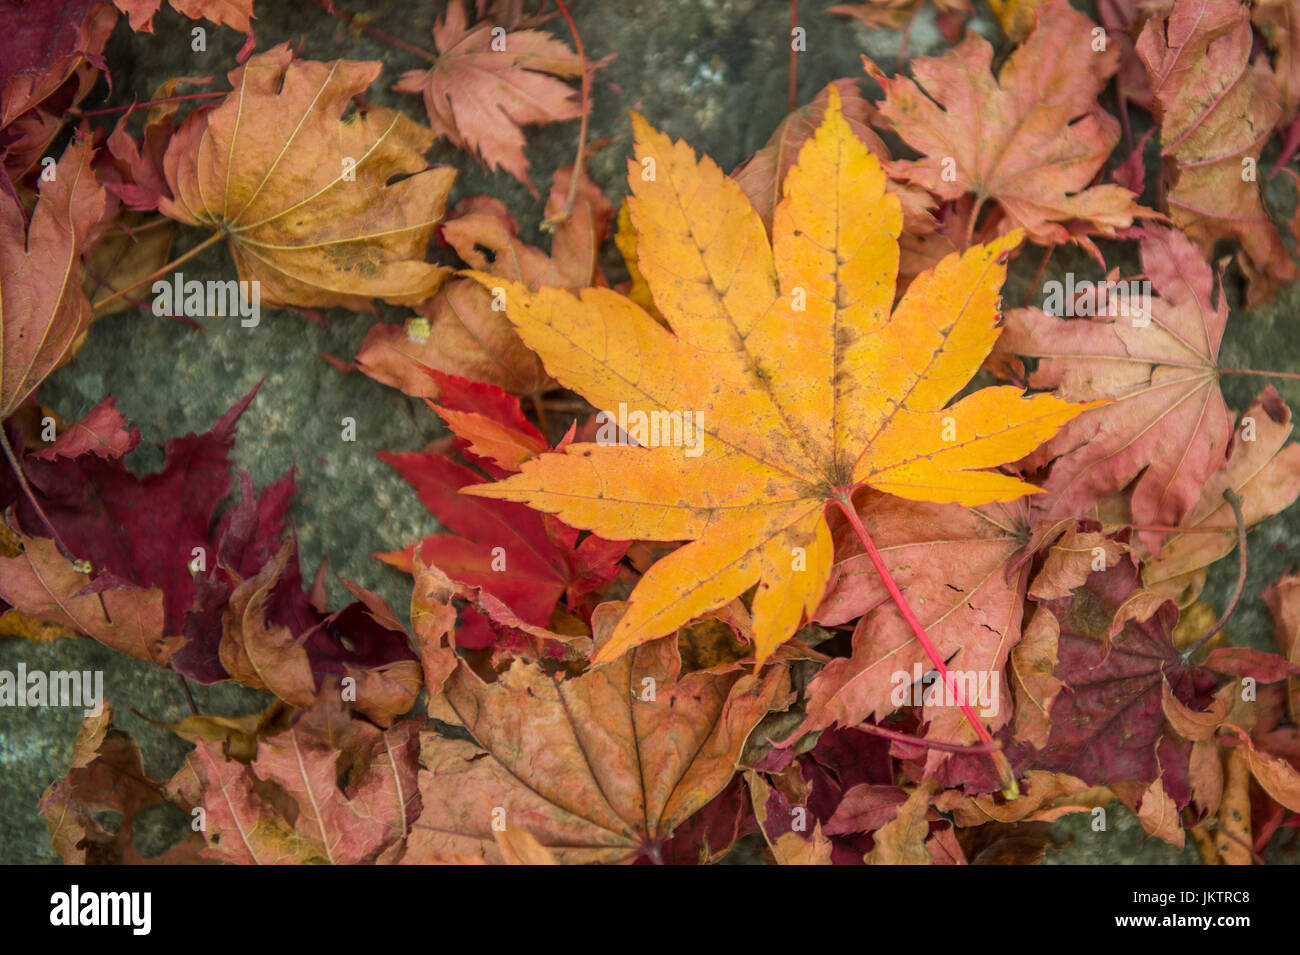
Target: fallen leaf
1233,839
371,819
107,776
1032,139
1276,22
484,85
526,560
601,768
43,310
463,329
46,586
901,841
1107,721
952,565
232,13
799,407
303,193
762,175
1158,814
1283,600
51,56
1215,111
1262,469
1166,424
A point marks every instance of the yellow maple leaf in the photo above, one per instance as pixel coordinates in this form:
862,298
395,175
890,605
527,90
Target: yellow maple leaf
785,382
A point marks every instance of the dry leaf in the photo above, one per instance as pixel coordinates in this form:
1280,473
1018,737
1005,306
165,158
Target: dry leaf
43,310
484,85
302,191
1215,111
601,768
1032,139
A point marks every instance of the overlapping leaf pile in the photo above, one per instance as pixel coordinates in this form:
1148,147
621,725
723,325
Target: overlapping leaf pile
810,581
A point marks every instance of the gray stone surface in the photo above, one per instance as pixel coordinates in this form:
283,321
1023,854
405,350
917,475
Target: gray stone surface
712,71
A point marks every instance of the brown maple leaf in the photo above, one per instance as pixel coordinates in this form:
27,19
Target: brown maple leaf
485,84
1166,425
288,805
1216,110
762,175
601,768
107,778
235,14
303,193
1032,139
1263,470
952,564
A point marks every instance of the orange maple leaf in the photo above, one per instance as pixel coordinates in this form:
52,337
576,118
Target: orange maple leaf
787,378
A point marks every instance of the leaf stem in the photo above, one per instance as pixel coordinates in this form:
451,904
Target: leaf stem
1265,374
906,37
360,24
189,695
1175,529
579,169
209,241
794,56
31,497
911,740
970,223
1042,267
145,105
1234,501
999,759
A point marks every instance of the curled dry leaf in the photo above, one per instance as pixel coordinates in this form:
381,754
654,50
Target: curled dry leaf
1283,600
463,330
107,777
44,312
1216,110
303,193
300,663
